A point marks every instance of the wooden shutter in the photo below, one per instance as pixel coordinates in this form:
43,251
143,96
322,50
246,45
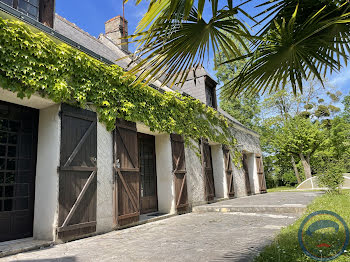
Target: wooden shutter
127,173
77,173
246,174
179,171
207,170
228,171
260,169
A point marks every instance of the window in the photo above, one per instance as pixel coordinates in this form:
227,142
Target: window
28,7
211,97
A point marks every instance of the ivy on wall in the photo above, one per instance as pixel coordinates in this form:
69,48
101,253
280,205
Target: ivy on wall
31,62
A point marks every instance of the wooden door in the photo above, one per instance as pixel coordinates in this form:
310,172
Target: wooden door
78,173
208,173
261,176
228,171
18,145
148,173
246,174
179,171
127,173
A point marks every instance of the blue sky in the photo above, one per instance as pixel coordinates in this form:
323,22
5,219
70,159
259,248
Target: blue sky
90,15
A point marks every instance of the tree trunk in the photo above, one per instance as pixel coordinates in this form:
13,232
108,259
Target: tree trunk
295,170
306,165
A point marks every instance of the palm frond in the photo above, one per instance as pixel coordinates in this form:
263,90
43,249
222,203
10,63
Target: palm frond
298,40
174,44
292,52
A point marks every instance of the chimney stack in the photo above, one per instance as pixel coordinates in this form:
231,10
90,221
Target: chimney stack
114,31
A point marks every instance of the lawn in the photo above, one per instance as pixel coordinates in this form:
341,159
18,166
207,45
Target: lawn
280,188
285,246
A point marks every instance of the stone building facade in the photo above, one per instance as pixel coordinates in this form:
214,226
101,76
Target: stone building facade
79,181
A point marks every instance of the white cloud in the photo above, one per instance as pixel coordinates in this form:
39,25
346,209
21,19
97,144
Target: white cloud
341,78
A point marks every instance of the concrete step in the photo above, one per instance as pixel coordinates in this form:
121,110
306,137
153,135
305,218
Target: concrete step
279,209
22,245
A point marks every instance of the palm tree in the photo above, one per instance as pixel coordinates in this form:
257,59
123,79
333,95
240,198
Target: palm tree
297,40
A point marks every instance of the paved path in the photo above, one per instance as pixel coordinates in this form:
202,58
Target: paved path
215,236
278,202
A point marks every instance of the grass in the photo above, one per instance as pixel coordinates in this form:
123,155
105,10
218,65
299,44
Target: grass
279,189
285,246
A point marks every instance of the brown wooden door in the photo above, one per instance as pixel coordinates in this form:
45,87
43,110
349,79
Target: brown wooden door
127,173
179,171
228,171
261,176
78,173
18,145
208,174
246,174
148,173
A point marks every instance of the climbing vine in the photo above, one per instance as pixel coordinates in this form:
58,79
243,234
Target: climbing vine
31,62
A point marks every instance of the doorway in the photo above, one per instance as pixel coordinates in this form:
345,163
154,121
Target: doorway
208,172
18,146
148,175
246,173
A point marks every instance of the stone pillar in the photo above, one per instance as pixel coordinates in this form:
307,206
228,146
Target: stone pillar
194,177
105,208
46,181
220,180
165,179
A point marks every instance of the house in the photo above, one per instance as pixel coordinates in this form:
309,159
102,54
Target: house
63,175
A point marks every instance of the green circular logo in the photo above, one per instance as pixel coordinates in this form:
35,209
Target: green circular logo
323,235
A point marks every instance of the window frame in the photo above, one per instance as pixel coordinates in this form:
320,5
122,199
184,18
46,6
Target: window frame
210,92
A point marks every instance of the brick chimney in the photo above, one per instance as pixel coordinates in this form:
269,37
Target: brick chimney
114,31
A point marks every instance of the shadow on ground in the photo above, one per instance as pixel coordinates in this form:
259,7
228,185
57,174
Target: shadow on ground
58,259
244,255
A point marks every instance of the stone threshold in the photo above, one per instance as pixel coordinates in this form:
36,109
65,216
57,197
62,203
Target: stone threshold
148,218
251,209
13,247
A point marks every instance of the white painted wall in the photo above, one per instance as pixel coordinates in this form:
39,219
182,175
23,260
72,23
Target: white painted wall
104,212
220,181
46,184
165,178
253,175
35,101
194,175
238,181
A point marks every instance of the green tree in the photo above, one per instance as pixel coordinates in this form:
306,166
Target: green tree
336,146
346,103
245,108
300,137
282,106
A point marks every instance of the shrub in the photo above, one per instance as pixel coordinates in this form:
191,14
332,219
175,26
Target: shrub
330,175
289,179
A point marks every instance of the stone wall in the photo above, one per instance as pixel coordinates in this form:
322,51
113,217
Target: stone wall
248,142
194,176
